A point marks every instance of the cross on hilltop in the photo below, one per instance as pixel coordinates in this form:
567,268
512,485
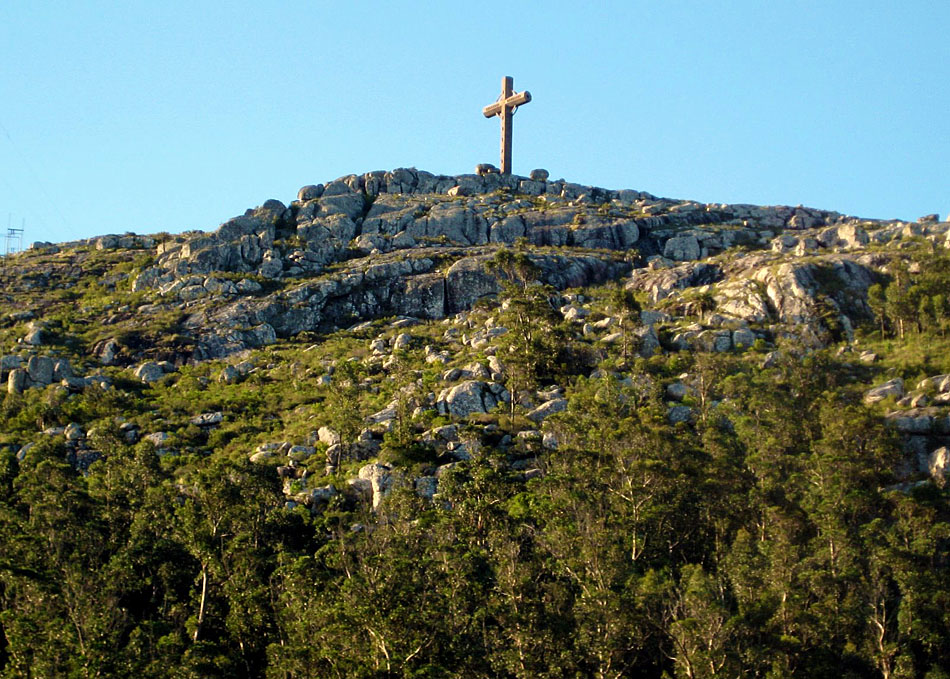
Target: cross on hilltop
505,108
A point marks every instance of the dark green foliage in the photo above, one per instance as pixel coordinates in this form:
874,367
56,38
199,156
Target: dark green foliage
755,543
915,299
764,539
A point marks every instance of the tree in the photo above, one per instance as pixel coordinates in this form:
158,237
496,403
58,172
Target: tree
534,343
342,406
702,627
226,522
878,303
514,267
623,303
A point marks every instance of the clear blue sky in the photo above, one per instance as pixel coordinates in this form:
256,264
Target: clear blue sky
150,116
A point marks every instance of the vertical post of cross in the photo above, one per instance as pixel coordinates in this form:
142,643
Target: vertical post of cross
507,122
504,108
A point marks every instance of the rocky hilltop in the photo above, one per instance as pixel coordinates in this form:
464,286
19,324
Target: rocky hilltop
325,437
411,243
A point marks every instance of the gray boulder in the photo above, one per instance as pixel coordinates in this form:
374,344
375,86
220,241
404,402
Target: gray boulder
547,409
109,352
10,362
682,248
328,436
893,388
470,397
34,336
16,380
149,372
157,439
427,486
938,383
310,192
648,342
677,414
207,419
380,478
62,370
229,375
677,391
743,337
40,370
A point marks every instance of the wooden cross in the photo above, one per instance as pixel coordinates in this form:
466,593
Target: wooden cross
504,108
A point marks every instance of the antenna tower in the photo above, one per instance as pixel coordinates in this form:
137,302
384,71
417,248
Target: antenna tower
14,239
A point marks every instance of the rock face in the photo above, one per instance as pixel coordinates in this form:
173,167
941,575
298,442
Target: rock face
819,300
408,242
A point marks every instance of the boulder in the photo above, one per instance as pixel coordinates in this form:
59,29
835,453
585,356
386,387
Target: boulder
784,243
893,388
426,487
328,436
682,248
300,453
380,478
743,337
207,419
718,341
497,368
310,192
470,397
229,375
539,175
938,464
157,439
574,314
677,391
648,341
650,316
938,383
73,432
62,370
149,372
677,414
547,409
386,415
34,337
912,422
40,370
443,434
10,362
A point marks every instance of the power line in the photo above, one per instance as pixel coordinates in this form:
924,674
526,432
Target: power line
36,176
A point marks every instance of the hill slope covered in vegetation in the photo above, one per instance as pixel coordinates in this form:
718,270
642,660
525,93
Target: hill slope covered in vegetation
484,426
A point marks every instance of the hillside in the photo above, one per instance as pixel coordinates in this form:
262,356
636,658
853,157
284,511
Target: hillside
485,425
